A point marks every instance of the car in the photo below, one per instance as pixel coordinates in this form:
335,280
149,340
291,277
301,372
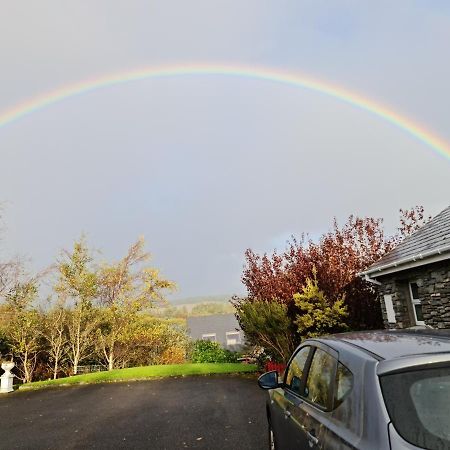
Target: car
375,390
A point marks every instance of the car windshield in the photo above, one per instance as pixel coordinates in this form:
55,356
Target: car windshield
418,403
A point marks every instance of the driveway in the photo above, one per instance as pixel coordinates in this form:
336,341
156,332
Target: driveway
214,412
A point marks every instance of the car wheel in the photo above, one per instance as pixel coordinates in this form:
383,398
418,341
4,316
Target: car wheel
272,445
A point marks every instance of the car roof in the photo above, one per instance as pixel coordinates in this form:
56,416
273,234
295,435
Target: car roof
392,344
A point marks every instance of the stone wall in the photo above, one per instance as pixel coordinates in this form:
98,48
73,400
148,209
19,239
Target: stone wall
433,281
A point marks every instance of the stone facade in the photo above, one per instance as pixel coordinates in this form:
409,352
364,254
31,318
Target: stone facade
433,281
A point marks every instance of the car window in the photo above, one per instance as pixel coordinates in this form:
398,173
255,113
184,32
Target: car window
294,373
419,407
320,379
344,384
346,408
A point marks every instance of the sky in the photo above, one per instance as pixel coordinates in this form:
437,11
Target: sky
207,166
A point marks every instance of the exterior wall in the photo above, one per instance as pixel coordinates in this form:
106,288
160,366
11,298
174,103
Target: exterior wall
218,324
433,281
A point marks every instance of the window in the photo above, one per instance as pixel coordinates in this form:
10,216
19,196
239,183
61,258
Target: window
347,408
209,337
417,303
294,373
344,384
319,384
233,337
417,403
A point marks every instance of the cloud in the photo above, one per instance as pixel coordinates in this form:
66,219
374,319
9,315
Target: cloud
206,167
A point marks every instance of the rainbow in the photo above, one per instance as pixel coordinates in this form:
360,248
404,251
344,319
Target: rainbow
256,73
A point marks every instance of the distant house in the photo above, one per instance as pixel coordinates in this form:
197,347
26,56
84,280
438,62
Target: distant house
414,279
221,328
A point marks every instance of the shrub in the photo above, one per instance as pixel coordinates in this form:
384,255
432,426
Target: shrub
318,315
267,324
230,357
173,355
155,341
211,352
339,256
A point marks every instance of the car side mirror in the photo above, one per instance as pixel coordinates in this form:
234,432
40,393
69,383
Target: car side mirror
269,380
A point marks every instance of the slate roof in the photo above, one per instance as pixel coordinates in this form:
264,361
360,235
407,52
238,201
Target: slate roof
427,240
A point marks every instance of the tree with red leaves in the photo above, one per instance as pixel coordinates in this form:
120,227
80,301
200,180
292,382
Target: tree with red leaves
338,257
411,220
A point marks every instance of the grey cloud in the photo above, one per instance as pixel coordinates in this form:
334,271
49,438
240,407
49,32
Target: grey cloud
205,167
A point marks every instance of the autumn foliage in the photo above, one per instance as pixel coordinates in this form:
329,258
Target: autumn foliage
99,314
338,257
319,282
411,220
317,314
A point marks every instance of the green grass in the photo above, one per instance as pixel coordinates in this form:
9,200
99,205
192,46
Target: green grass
144,373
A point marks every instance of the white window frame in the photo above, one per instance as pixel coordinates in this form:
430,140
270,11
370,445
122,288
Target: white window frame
390,312
209,337
238,340
414,302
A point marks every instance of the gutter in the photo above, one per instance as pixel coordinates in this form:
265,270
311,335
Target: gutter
370,280
411,261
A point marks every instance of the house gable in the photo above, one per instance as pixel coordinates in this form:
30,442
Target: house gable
221,328
414,279
433,292
429,244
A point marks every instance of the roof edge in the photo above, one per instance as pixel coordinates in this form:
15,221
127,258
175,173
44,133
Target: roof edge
410,262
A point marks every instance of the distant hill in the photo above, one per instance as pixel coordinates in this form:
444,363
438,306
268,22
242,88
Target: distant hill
195,306
202,299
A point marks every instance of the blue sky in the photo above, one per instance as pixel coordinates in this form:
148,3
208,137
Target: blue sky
205,167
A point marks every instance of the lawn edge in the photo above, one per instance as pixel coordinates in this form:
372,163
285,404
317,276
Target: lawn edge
50,384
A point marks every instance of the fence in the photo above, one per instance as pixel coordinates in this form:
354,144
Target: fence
90,368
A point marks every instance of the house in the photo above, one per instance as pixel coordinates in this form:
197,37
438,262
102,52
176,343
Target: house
414,278
221,328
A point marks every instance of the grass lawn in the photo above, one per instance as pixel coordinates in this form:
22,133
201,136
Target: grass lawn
143,373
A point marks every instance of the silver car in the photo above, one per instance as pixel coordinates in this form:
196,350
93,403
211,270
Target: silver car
366,390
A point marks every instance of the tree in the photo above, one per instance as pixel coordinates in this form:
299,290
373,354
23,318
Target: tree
126,288
55,333
266,324
148,340
339,256
411,220
275,276
23,327
10,272
206,309
171,312
317,315
77,284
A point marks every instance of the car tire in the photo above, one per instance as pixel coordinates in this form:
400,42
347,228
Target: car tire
272,443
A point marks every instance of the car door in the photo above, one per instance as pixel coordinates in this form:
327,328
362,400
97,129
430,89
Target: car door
307,417
287,397
344,426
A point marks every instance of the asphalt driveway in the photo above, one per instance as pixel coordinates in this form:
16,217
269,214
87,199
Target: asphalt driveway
214,412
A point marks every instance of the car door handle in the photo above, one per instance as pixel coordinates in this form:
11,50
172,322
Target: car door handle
311,438
287,414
